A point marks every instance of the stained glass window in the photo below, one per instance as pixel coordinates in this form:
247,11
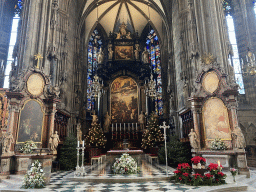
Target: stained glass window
95,43
232,37
14,32
153,48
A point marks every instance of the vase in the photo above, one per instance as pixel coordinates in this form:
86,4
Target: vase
234,178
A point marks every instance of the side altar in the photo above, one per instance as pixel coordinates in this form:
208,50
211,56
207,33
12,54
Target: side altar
214,107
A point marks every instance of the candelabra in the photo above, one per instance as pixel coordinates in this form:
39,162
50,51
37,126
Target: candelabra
96,88
151,90
80,170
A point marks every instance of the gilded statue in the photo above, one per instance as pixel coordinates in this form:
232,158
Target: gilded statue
193,138
238,137
94,117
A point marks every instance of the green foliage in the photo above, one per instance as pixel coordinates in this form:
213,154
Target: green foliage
95,137
153,136
177,152
68,153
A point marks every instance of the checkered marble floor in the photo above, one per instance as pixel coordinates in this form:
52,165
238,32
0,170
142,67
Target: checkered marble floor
60,182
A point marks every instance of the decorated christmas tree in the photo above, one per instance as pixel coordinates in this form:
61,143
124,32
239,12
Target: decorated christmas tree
152,136
95,136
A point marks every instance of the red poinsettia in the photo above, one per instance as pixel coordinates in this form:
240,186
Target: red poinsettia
177,171
197,175
221,174
197,159
185,174
208,175
214,166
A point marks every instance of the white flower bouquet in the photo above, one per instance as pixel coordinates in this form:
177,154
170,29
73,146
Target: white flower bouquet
34,177
125,165
28,147
217,144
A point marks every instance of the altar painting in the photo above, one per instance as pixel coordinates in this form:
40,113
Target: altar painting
31,122
124,100
123,52
216,120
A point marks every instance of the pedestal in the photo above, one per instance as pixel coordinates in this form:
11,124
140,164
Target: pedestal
46,161
22,163
242,163
6,165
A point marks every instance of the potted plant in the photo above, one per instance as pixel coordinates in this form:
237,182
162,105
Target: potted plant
198,164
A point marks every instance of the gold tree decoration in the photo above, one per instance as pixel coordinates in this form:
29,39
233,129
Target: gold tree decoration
95,136
152,136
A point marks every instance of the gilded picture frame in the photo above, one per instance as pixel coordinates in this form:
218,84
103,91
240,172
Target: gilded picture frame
31,122
123,52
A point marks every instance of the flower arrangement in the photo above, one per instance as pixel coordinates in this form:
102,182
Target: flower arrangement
125,165
28,147
233,171
34,177
198,162
214,177
217,144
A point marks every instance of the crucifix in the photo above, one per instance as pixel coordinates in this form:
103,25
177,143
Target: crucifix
164,126
38,56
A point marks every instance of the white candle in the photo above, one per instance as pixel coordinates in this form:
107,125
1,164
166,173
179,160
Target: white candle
120,127
218,163
124,127
128,126
83,143
116,127
136,126
112,127
132,127
77,143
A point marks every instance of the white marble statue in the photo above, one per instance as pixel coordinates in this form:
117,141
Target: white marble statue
7,140
54,141
193,139
137,52
79,132
141,120
110,52
145,55
107,122
100,56
238,136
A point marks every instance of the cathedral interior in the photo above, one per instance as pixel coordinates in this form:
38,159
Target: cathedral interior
66,62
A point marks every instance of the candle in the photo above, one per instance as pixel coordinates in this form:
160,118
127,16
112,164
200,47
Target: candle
120,127
112,127
83,143
132,127
124,127
77,143
136,126
116,127
128,126
218,163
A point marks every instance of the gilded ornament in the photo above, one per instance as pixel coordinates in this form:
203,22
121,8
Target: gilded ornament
208,58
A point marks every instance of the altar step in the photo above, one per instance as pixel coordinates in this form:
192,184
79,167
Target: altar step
102,173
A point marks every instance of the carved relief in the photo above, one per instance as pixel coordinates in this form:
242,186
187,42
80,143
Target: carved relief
35,84
210,82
